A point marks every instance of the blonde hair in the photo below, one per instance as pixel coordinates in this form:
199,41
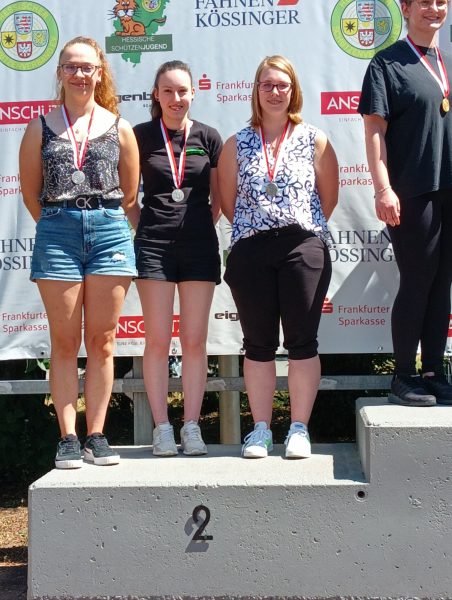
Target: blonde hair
105,93
296,100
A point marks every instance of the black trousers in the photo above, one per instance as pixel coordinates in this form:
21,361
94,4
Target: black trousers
279,275
423,250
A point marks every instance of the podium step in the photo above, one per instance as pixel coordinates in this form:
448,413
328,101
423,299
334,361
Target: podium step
221,526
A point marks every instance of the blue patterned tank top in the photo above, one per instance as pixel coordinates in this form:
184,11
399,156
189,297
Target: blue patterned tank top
298,201
100,168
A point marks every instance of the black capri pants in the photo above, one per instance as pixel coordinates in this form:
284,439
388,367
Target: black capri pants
279,275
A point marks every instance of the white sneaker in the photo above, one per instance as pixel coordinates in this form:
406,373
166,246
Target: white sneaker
163,440
259,442
191,439
298,444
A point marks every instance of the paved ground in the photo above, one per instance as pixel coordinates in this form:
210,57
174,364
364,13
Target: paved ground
13,583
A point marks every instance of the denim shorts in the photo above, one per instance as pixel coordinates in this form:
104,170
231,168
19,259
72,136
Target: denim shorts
71,243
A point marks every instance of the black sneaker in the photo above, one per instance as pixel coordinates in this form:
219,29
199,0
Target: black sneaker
410,390
68,453
440,387
98,451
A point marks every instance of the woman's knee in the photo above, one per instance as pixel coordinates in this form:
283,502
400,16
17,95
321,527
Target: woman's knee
193,343
259,353
301,348
157,346
65,346
100,344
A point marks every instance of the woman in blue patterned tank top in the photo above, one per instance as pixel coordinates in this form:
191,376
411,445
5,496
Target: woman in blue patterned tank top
279,185
79,173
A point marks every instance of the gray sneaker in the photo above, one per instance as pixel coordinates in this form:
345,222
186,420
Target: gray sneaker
68,454
98,451
163,440
258,443
191,439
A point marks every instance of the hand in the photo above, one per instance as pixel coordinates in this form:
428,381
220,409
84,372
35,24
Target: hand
387,207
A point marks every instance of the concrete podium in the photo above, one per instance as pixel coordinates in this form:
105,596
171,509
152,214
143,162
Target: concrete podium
371,520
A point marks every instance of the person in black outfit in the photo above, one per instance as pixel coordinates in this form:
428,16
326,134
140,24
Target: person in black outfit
405,103
176,245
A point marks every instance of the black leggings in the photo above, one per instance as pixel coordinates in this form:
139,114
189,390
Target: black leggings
423,249
279,275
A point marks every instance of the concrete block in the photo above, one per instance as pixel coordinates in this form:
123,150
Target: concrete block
317,528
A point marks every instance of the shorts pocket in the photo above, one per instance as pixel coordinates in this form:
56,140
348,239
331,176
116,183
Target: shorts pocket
116,214
47,212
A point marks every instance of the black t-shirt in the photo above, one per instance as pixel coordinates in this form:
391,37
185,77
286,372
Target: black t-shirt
399,88
162,217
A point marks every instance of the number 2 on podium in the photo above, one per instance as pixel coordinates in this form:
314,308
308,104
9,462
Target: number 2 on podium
198,536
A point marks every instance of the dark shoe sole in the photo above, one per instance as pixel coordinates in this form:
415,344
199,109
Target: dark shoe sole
444,401
393,399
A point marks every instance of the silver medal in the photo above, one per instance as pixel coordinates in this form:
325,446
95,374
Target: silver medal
78,177
177,195
271,189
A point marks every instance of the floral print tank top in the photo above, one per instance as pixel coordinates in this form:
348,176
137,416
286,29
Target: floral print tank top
297,202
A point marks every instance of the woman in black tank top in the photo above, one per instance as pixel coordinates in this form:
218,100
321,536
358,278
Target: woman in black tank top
79,175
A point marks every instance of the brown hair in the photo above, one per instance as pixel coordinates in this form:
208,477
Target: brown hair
296,101
104,94
171,65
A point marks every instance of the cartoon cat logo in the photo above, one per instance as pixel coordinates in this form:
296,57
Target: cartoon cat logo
125,10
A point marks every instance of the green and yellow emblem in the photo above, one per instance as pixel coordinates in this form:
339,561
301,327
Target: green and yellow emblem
361,28
28,36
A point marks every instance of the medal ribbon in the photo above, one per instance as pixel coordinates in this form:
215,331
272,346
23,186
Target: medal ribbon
176,171
444,81
277,154
79,153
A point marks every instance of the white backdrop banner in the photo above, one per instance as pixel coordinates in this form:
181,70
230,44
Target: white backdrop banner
329,41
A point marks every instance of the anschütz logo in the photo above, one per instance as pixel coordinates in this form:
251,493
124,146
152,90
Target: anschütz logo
20,113
245,13
28,36
363,27
135,23
339,103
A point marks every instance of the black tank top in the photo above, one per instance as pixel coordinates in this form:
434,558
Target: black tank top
100,168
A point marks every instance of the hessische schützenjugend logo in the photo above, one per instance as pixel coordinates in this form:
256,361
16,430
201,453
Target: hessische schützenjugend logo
135,25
